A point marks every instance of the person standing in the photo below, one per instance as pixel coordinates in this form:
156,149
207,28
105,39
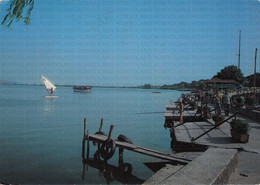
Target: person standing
218,103
226,102
51,92
181,111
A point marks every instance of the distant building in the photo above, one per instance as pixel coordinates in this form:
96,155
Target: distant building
217,83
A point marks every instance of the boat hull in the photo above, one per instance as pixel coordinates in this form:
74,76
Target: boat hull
82,88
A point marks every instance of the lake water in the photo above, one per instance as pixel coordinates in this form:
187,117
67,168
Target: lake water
41,138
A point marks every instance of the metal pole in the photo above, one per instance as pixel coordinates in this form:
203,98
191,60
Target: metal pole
255,74
193,139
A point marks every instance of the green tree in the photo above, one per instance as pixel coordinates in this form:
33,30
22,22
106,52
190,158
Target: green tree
250,80
15,12
231,73
202,85
147,86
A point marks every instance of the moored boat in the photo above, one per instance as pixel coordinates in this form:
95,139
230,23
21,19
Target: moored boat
82,88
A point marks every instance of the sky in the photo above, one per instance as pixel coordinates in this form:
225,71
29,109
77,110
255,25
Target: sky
129,42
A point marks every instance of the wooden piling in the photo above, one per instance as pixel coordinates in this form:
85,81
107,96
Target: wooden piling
121,158
110,132
101,124
99,145
87,145
84,138
85,127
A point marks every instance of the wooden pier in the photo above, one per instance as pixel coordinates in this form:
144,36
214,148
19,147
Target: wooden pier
176,107
135,148
195,127
107,145
171,117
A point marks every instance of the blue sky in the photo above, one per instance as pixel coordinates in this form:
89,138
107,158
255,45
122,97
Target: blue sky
129,42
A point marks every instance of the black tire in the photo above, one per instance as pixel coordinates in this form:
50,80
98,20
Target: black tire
123,138
100,133
107,149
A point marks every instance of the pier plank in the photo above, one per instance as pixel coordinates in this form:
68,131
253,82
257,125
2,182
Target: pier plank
219,137
150,152
176,107
188,116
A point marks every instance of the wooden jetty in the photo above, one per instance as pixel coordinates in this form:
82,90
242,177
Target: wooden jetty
206,134
107,145
135,148
171,117
176,107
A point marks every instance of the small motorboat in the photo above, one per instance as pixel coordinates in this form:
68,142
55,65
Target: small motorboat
82,88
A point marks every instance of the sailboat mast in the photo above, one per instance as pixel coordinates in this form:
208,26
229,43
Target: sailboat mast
255,75
239,50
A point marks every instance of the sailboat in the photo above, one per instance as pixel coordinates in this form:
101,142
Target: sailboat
50,88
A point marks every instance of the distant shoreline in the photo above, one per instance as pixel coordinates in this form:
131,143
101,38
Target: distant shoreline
116,87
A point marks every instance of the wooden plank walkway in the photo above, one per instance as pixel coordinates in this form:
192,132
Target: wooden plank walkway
188,116
172,114
219,137
176,107
146,151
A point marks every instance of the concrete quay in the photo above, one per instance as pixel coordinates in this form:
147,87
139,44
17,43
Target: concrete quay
224,162
215,166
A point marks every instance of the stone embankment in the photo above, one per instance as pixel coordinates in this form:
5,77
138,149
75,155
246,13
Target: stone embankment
215,166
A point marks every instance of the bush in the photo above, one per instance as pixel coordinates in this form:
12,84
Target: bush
240,126
240,99
199,110
206,108
192,104
249,101
217,117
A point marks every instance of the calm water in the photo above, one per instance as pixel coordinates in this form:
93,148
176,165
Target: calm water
41,139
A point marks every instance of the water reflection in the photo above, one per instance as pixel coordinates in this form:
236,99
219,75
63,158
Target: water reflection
48,105
82,92
122,173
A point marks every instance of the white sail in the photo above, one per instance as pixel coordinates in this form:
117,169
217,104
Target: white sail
48,84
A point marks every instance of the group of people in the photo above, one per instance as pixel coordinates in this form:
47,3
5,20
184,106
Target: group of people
220,100
225,100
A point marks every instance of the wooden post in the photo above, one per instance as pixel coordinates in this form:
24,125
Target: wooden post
110,132
84,138
85,127
87,145
99,145
101,124
121,158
